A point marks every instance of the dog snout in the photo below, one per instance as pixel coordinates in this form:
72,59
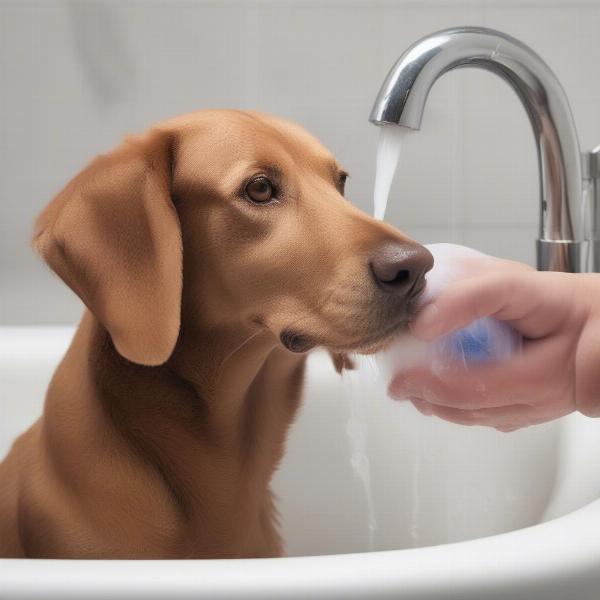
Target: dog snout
399,268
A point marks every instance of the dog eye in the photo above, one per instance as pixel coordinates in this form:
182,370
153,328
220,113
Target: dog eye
260,190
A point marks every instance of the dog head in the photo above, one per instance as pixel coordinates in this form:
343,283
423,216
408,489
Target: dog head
226,216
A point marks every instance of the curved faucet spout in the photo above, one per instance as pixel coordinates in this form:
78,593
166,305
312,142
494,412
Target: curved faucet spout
402,98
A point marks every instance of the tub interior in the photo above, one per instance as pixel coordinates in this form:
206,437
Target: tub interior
431,482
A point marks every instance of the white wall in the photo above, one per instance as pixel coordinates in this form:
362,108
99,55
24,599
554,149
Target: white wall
75,77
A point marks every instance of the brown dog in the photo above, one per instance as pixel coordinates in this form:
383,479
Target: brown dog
212,253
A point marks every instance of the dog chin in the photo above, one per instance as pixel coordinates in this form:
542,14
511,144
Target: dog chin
382,341
368,344
300,342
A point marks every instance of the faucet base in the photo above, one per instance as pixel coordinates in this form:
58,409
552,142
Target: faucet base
565,256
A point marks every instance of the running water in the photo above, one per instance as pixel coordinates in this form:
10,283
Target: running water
388,155
391,138
356,428
356,385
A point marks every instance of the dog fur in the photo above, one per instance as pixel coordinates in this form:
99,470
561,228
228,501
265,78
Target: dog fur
167,417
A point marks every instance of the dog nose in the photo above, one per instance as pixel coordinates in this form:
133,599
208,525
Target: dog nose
400,269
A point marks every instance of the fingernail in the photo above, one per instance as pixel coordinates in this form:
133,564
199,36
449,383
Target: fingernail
398,394
506,429
422,406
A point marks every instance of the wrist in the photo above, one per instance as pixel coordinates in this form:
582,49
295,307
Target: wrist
587,361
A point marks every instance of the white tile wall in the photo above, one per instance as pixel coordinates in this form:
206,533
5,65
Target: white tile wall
76,76
500,178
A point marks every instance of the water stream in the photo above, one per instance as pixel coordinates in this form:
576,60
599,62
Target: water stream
356,384
356,430
388,155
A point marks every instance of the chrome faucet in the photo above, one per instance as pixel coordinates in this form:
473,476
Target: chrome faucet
569,220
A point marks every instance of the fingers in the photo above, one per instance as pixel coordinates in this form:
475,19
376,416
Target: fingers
542,375
507,417
462,302
454,391
535,303
504,419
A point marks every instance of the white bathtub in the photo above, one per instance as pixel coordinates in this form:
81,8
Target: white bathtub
462,512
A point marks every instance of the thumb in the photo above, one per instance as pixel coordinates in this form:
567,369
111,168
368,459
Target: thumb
462,302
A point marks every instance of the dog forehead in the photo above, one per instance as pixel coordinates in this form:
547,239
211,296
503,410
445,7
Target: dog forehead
298,141
224,137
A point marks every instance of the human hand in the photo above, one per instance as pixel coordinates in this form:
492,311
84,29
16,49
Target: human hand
558,371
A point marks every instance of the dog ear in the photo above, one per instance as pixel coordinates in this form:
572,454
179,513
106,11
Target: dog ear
341,362
113,236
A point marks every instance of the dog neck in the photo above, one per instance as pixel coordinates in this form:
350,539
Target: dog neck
247,383
211,423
